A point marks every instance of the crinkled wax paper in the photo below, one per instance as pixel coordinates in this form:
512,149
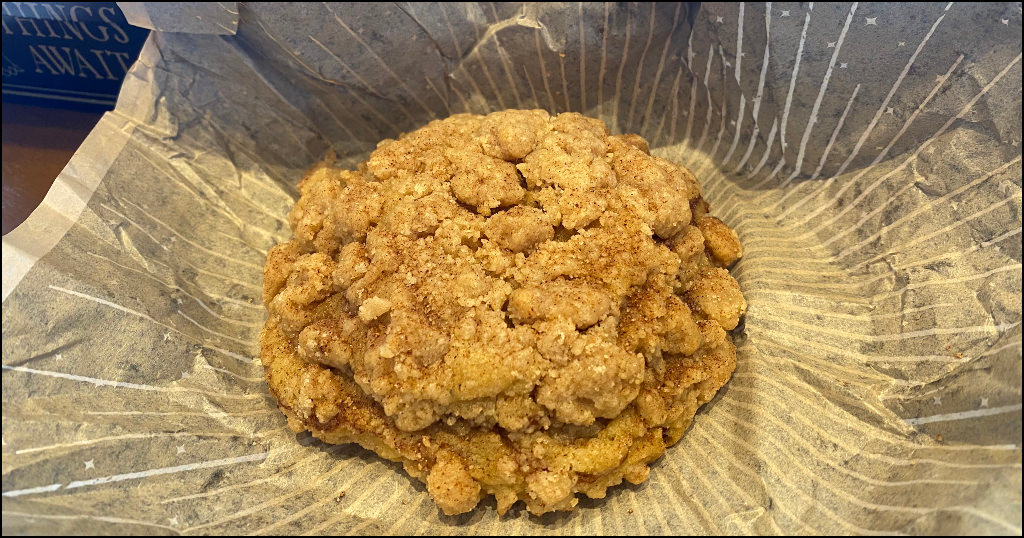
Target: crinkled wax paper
868,155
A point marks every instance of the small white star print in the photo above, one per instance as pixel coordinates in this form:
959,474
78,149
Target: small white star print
785,13
59,357
90,465
871,21
173,239
743,55
167,336
184,375
889,110
842,65
727,64
181,449
719,20
984,402
939,78
901,44
831,44
1006,22
173,521
732,122
936,400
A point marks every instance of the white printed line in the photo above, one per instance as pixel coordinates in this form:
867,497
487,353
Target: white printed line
962,415
739,43
582,62
707,91
543,74
821,95
147,318
867,191
173,287
657,139
213,332
504,60
767,152
760,88
792,80
622,64
565,81
140,474
533,91
835,133
974,248
183,238
168,470
640,64
600,73
736,131
92,380
881,155
30,491
892,91
721,115
657,75
364,84
917,211
693,89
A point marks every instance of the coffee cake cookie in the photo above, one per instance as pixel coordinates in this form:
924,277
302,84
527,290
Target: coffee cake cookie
517,305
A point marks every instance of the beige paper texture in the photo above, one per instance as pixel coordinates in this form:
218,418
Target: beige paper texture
868,155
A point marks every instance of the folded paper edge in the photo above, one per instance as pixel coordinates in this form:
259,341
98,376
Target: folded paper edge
138,14
65,201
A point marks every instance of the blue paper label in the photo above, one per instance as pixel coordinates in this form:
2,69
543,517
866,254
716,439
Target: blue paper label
73,55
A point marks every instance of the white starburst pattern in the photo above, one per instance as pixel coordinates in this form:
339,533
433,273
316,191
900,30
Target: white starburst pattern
936,400
785,13
939,78
870,21
842,65
181,449
58,357
91,464
173,521
889,110
719,20
167,336
901,44
984,402
1006,22
831,45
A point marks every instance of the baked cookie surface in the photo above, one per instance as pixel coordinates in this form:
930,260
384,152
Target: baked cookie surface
517,305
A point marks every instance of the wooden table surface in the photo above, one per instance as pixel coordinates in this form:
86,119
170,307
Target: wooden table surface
37,143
